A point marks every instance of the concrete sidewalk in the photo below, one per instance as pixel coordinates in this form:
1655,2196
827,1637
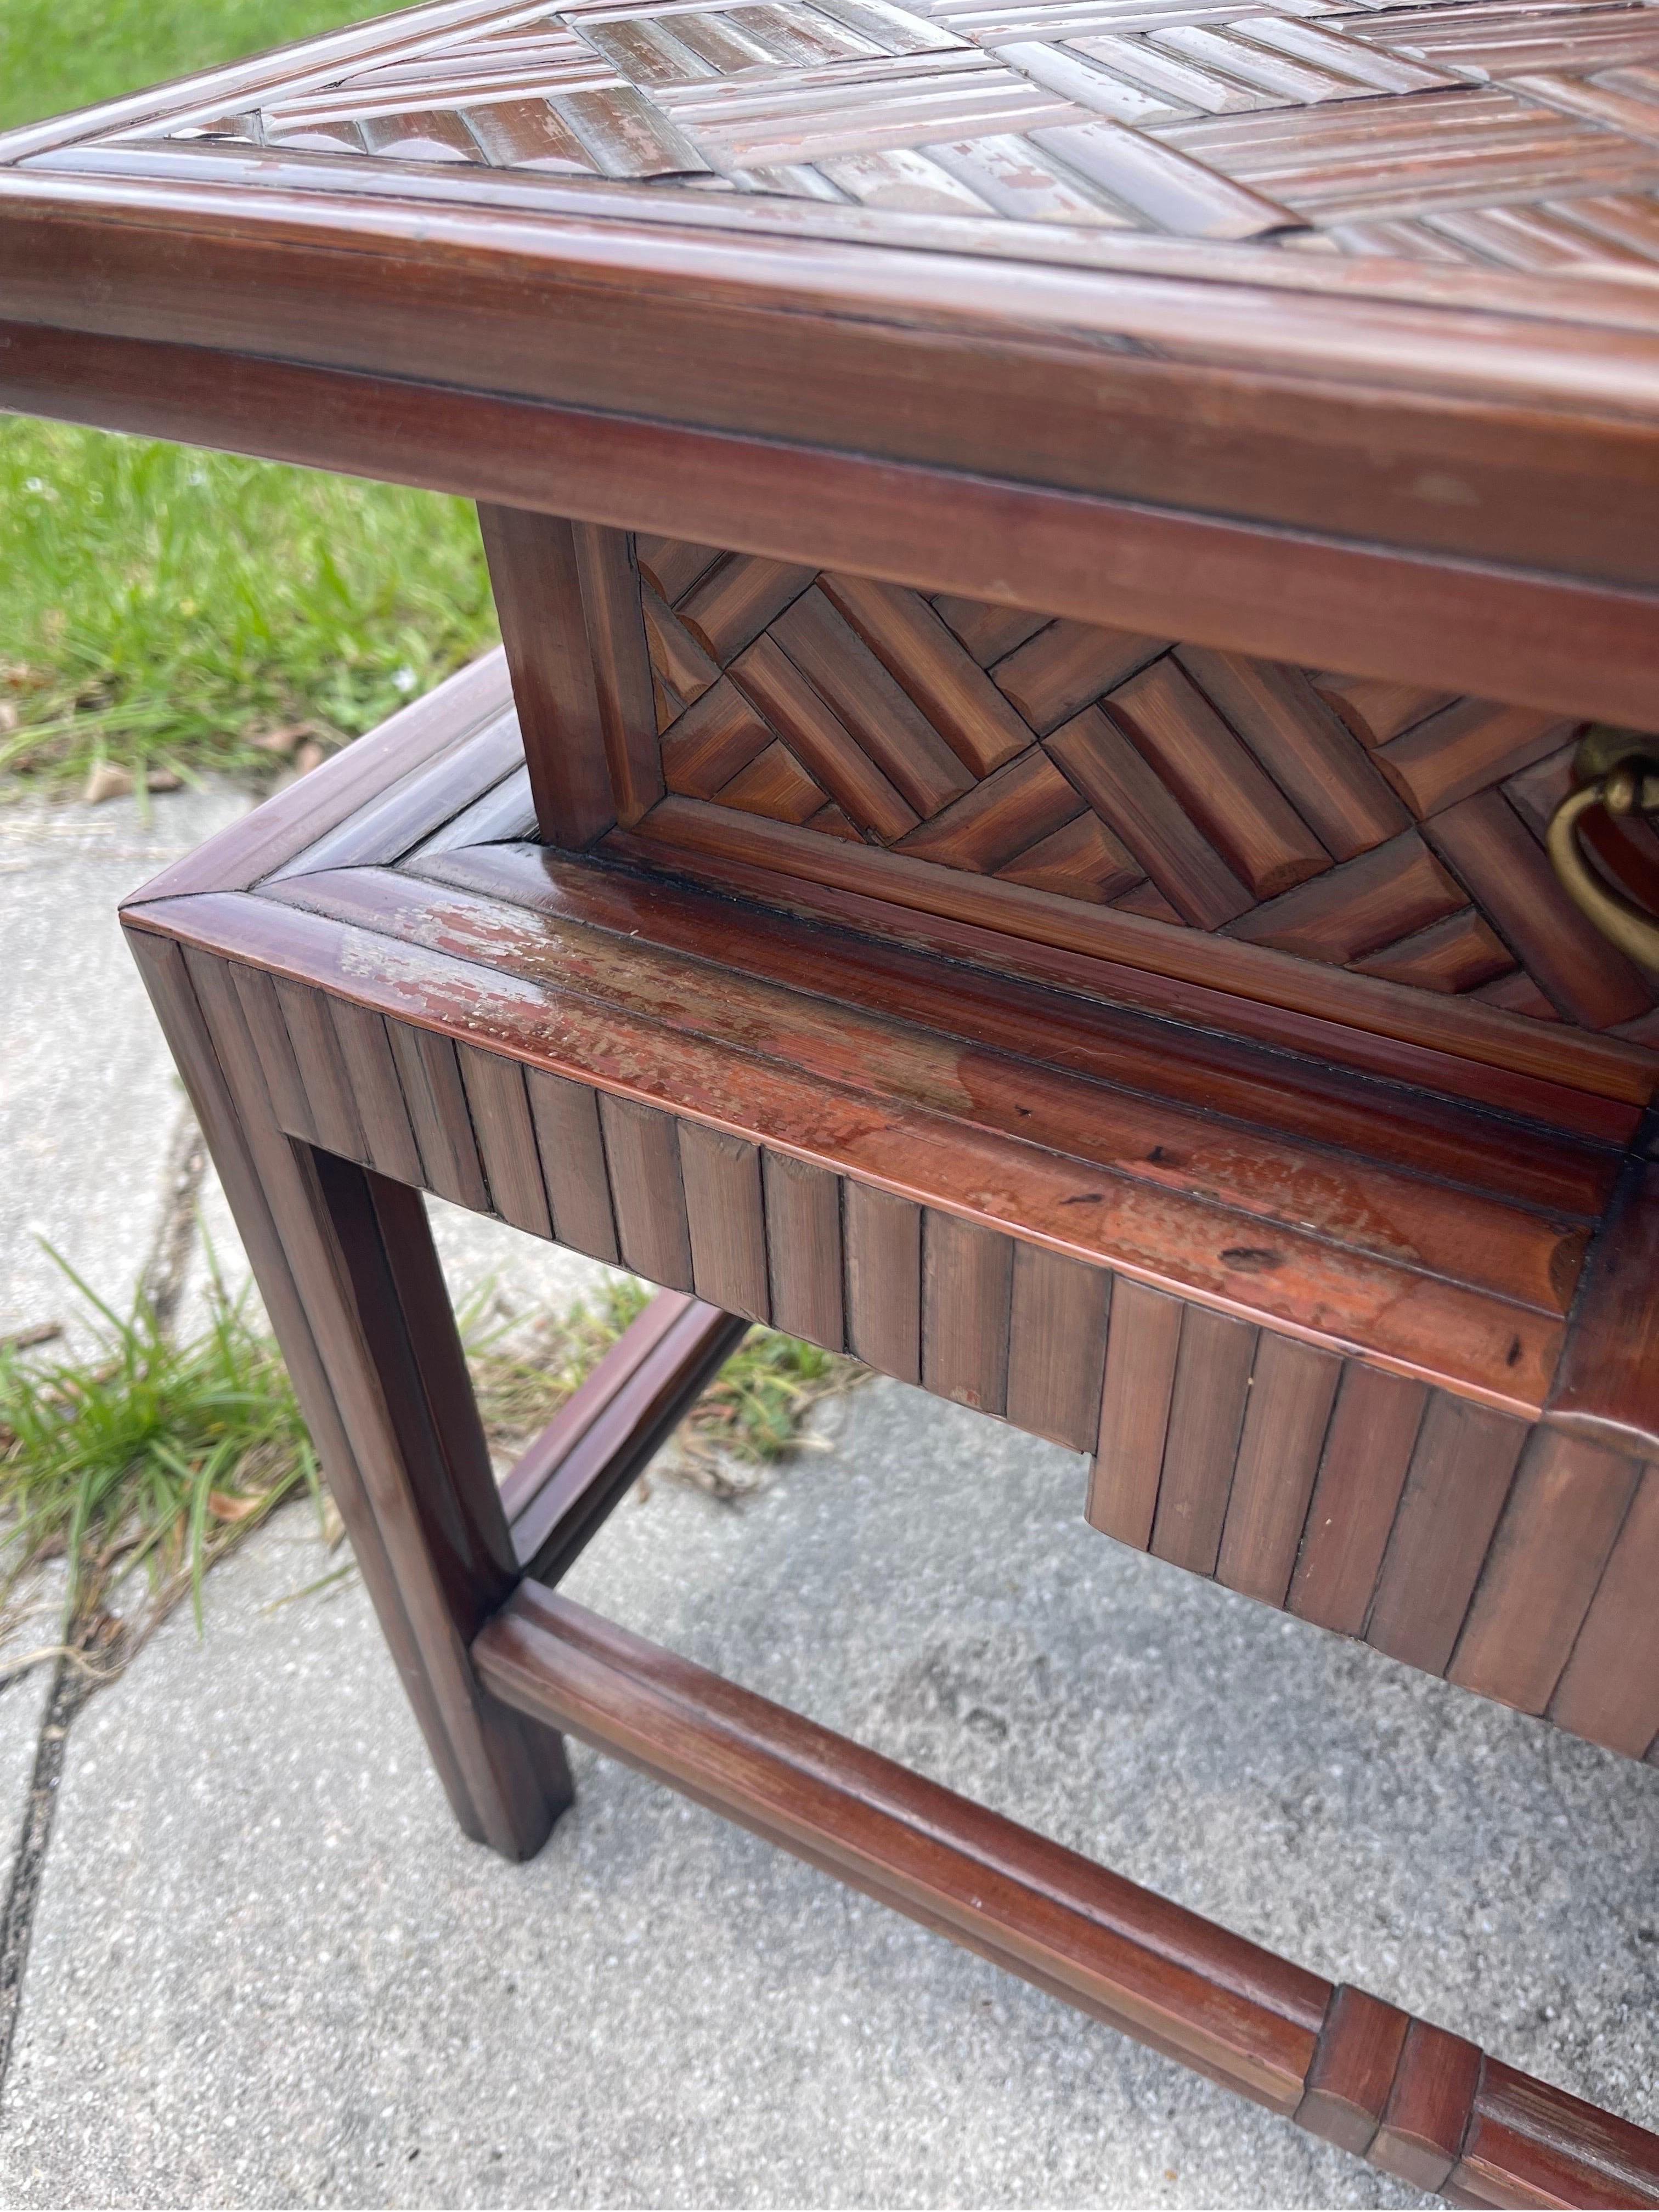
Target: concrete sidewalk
265,1970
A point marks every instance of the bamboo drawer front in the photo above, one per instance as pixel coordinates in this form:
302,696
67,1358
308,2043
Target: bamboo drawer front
1307,1329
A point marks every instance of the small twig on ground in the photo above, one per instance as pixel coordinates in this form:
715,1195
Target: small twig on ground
26,1340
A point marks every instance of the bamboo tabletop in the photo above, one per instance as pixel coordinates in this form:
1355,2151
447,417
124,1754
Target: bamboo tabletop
1388,272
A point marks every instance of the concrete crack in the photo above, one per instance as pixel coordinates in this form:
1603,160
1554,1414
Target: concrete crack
71,1685
75,1675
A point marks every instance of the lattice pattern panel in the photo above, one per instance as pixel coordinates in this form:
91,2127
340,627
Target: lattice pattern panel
1495,132
1393,831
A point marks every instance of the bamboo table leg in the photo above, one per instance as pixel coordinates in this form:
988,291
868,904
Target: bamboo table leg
344,1261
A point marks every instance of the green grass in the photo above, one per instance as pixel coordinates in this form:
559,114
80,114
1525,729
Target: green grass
148,1458
144,1462
751,1414
60,54
163,609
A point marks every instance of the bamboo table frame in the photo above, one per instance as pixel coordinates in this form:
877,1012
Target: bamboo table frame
1007,837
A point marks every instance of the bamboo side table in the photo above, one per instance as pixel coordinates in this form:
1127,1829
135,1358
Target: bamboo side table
1065,808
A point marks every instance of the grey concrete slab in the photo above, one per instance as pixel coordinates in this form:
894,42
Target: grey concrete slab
266,1971
88,1099
513,1275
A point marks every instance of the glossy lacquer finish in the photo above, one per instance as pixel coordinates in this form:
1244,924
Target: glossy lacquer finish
1052,564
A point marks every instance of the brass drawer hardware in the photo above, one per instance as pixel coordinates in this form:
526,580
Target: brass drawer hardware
1618,771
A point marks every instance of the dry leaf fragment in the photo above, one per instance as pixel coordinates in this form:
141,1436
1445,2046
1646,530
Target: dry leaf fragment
223,1507
283,742
106,781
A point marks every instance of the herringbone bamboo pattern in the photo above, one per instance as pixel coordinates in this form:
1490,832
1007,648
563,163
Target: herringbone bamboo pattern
1472,130
1391,830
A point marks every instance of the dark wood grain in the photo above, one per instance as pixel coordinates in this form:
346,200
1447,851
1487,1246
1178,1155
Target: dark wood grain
642,1151
417,804
1206,1409
1353,2070
1535,2143
1105,1033
1142,1347
376,1092
436,1097
744,860
261,1014
237,1155
842,337
1138,566
884,1280
1608,1383
1291,1390
967,1283
1057,1346
803,1249
265,840
1368,1450
501,1121
537,580
608,584
330,1109
1428,2112
677,1043
573,1172
363,1264
1610,1691
1460,1477
1577,647
713,844
1563,1515
1162,1974
725,1217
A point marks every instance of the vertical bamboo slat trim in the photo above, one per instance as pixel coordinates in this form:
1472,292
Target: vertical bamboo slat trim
437,1114
1142,1343
642,1153
966,1281
884,1280
376,1092
727,1220
1610,1691
1564,1512
1057,1346
803,1249
1206,1407
566,1116
1460,1476
1368,1450
1292,1391
322,1070
262,1013
501,1121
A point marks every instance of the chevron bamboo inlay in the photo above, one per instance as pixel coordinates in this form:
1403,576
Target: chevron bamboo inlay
1390,830
1477,131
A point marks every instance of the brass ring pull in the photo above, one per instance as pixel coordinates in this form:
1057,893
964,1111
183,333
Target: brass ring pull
1621,774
